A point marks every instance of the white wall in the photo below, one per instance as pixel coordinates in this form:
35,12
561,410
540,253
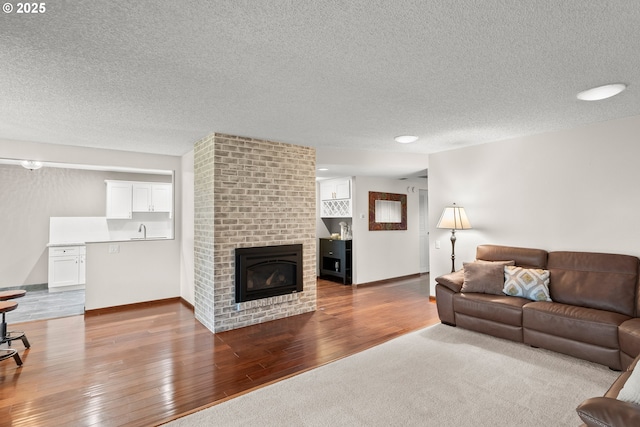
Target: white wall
380,255
344,162
570,190
187,264
140,271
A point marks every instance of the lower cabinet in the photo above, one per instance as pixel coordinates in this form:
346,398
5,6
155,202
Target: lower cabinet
67,266
335,260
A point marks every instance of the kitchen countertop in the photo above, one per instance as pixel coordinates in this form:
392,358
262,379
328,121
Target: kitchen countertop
132,239
57,245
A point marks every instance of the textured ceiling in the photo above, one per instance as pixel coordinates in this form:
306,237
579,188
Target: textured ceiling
156,76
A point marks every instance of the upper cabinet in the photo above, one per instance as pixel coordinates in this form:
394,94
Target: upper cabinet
141,197
119,199
332,189
335,198
126,197
162,197
152,197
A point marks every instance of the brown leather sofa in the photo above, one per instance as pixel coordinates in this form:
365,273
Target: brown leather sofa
608,410
592,315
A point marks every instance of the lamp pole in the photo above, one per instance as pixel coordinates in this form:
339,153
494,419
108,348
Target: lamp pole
453,218
453,250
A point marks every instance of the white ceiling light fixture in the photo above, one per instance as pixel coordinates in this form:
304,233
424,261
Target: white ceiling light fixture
406,139
31,164
601,92
323,169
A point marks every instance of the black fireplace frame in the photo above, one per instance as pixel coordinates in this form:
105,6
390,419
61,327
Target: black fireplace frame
245,257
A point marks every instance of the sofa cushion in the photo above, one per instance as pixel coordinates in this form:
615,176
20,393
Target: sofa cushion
602,281
629,337
524,257
530,283
483,277
497,308
587,325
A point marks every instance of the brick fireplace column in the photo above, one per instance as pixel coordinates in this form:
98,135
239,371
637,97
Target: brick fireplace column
250,193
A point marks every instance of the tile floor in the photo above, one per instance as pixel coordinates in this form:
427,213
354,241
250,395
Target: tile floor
41,304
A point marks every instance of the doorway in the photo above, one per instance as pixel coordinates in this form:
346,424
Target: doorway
424,231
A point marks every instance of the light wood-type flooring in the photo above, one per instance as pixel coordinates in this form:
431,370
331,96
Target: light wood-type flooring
147,364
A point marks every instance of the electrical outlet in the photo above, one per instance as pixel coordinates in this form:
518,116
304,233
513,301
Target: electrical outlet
114,249
437,244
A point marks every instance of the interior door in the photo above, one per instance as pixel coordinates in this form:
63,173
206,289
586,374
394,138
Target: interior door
424,232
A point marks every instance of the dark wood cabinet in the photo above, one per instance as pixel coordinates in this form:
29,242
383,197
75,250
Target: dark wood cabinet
335,260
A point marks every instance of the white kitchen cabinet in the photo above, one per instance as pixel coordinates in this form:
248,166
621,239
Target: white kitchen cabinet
141,197
152,197
332,189
126,197
119,199
67,266
335,198
162,197
82,266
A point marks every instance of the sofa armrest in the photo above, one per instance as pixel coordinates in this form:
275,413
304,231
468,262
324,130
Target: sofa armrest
605,411
452,281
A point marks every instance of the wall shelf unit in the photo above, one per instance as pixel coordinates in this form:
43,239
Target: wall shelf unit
335,260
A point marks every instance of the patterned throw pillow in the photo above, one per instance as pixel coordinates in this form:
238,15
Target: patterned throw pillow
530,283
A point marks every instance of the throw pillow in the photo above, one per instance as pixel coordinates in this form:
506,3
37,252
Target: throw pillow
530,283
484,278
631,390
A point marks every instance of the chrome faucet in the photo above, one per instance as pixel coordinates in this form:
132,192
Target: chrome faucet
143,227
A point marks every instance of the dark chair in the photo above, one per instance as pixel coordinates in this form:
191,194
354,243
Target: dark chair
6,306
8,336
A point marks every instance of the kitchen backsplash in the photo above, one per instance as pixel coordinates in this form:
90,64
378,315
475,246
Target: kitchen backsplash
101,229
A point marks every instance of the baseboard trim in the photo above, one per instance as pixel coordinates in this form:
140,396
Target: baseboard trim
124,307
393,279
37,287
187,304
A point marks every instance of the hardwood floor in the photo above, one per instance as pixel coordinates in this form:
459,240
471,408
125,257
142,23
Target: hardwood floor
151,363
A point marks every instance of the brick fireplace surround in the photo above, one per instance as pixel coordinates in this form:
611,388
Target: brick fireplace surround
248,193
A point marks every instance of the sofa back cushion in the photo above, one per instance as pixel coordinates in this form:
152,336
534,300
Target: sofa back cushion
523,257
601,281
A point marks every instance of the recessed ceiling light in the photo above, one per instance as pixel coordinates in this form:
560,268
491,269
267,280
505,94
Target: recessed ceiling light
323,169
405,139
602,92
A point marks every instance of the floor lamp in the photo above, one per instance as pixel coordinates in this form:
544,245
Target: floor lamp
454,218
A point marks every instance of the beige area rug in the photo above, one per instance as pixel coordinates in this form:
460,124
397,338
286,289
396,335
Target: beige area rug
438,376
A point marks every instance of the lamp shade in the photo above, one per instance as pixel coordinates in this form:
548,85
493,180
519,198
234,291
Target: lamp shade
454,218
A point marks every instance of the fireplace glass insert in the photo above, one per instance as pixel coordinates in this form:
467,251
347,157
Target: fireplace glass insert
268,271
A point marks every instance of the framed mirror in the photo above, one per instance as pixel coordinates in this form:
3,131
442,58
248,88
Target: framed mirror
387,211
